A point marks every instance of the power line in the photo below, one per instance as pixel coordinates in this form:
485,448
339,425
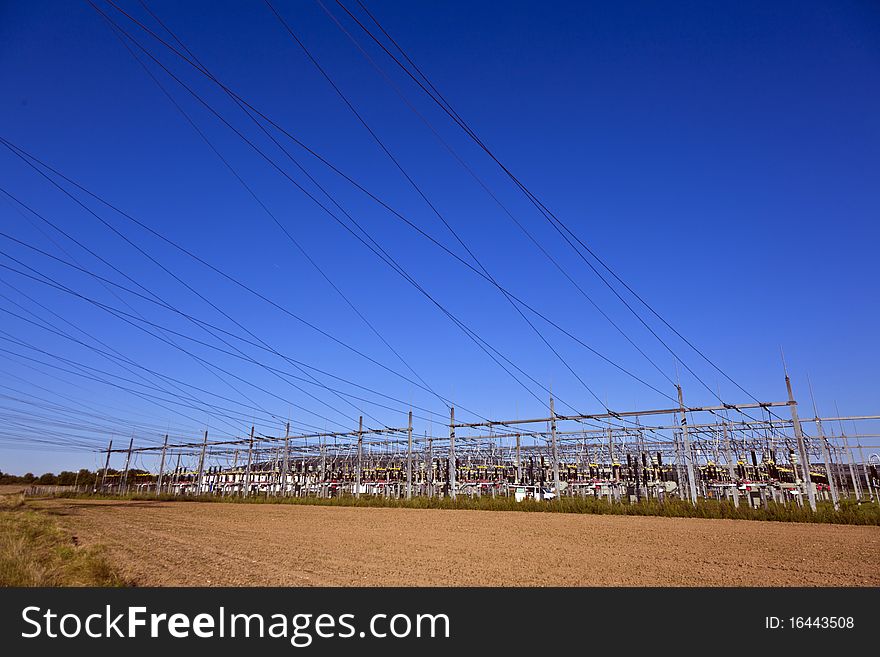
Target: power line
161,266
180,55
424,196
381,253
250,191
115,357
217,270
438,98
130,319
265,208
373,246
121,315
492,195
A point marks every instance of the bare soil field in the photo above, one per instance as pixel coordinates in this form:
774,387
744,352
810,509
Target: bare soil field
216,544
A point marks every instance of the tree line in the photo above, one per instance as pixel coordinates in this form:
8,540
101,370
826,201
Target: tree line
64,478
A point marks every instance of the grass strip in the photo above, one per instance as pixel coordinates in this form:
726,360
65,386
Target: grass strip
850,513
36,551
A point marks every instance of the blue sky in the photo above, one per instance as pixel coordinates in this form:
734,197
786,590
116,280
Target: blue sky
722,158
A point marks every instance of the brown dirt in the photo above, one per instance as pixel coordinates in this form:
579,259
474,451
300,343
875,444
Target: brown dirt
215,544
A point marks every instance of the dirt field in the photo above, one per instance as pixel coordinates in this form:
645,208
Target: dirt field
196,544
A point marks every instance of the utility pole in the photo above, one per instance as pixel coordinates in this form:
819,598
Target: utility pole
360,454
612,482
161,466
826,452
285,465
826,456
837,452
679,472
409,457
451,481
429,464
554,450
247,473
176,477
857,487
802,448
201,475
640,466
324,483
730,467
688,455
123,484
865,469
610,448
518,461
106,465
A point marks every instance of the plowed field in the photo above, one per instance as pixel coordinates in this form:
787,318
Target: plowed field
198,544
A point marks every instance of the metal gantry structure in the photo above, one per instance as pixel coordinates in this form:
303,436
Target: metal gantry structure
752,453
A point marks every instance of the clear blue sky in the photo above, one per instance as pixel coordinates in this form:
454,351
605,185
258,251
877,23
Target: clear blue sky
722,157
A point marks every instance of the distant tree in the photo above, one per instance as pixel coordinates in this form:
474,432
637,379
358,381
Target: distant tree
66,478
84,477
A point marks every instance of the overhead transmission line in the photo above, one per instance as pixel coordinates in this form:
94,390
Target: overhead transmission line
111,355
56,227
427,201
126,317
484,186
165,269
117,356
221,272
254,195
81,407
261,344
180,55
566,232
249,113
103,284
61,333
121,315
97,375
45,375
373,246
130,318
152,295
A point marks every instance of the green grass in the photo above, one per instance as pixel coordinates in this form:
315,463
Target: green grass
36,551
850,512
